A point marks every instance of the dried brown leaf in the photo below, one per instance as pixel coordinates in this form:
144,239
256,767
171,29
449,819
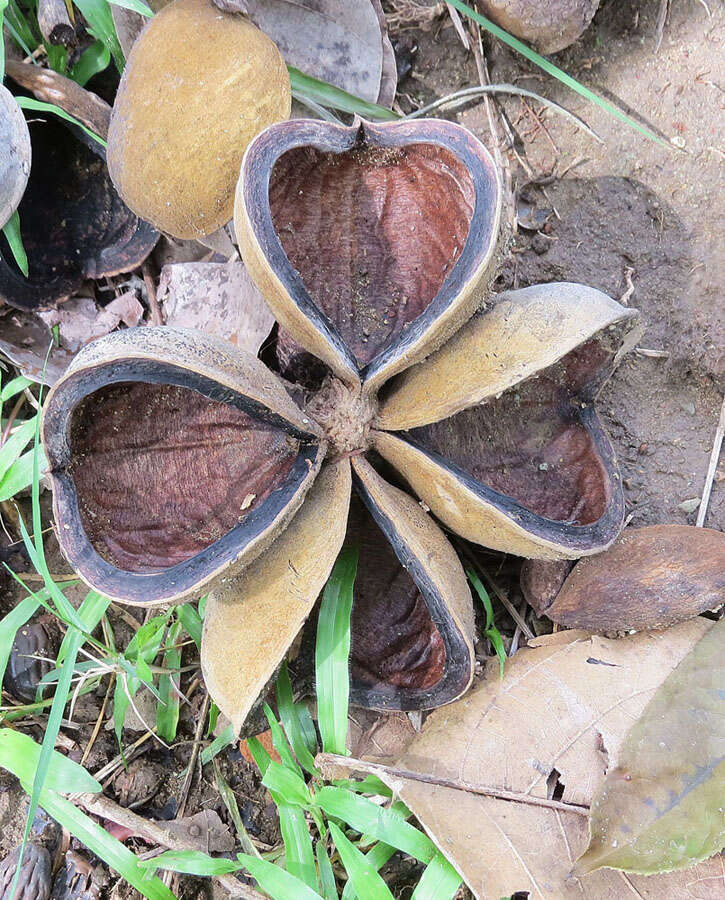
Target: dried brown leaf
651,577
217,298
550,728
661,808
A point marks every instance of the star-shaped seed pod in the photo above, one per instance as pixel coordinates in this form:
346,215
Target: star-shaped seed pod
182,465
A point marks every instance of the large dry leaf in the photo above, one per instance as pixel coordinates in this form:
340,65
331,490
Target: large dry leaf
558,717
218,298
662,807
651,577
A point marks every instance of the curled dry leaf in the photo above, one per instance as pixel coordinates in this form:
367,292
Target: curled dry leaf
650,578
661,807
245,480
550,728
15,153
81,320
217,298
25,340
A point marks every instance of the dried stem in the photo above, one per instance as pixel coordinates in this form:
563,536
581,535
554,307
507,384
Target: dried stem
330,763
710,477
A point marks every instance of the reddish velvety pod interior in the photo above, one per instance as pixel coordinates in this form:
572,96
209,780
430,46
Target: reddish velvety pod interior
535,444
162,472
395,643
373,232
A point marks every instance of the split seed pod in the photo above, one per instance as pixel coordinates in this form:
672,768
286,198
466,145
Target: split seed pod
182,465
73,223
199,84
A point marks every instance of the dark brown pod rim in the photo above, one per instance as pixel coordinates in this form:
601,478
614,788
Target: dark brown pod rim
426,554
73,223
168,367
460,290
651,577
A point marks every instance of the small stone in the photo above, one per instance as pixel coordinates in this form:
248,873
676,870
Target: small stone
690,505
539,244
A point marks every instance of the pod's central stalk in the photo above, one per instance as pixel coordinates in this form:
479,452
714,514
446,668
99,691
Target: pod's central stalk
345,415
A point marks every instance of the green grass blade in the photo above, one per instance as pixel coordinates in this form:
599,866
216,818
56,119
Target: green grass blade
19,476
274,881
9,626
440,881
365,878
13,388
230,801
490,630
191,620
11,230
376,857
280,743
40,106
298,853
334,97
219,743
332,651
289,712
135,6
327,876
99,18
370,819
191,862
555,71
259,754
20,755
287,786
107,848
167,711
15,444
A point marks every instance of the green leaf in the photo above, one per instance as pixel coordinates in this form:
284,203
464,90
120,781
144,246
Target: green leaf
332,652
100,21
15,444
376,857
107,848
259,754
41,106
191,620
286,785
11,230
298,853
3,5
365,878
226,738
440,881
14,387
279,741
275,881
20,755
334,97
327,876
167,711
19,476
490,630
291,719
667,813
191,862
93,60
555,71
135,6
370,819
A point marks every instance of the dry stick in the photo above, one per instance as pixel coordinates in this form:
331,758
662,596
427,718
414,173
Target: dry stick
710,477
99,720
329,762
203,712
661,20
11,419
156,315
102,806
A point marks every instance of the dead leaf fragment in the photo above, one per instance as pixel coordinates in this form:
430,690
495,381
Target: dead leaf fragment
651,577
217,298
80,320
549,728
24,340
661,808
205,830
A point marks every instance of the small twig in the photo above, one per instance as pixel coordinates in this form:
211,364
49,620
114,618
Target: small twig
654,354
11,418
99,720
328,763
628,272
156,314
102,806
184,796
660,25
710,477
458,25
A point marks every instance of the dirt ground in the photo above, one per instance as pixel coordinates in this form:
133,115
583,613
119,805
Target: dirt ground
640,221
